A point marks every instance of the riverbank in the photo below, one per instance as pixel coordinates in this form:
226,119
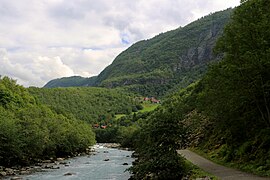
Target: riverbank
59,164
40,165
104,163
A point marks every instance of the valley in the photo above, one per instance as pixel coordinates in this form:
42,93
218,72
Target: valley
204,86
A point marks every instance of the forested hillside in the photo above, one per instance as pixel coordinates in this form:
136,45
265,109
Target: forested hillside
73,81
175,58
164,63
30,131
92,105
225,115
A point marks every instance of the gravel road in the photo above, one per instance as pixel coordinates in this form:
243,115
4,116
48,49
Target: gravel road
218,170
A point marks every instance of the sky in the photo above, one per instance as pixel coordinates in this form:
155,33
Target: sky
41,40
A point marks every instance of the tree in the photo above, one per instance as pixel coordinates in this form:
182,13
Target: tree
157,146
30,131
235,93
237,89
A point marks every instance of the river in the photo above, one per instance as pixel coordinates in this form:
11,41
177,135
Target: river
106,163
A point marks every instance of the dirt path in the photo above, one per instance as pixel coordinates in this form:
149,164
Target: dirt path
218,170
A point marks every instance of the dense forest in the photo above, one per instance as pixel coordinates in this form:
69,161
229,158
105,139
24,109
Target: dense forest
31,131
99,107
92,105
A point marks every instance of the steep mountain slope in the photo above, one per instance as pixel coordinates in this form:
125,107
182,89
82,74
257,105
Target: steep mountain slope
178,57
158,65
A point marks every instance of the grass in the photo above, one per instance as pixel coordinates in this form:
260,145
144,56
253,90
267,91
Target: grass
246,167
118,116
147,107
196,172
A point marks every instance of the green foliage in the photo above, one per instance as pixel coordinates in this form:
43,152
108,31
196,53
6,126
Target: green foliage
30,131
73,81
124,135
196,173
156,147
92,105
108,135
127,135
157,66
159,138
175,58
10,139
237,89
234,96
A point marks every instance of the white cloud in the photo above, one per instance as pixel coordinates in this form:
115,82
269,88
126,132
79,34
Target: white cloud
33,69
46,39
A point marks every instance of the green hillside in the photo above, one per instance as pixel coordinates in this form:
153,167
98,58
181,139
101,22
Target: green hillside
73,81
166,62
178,57
225,115
90,104
30,131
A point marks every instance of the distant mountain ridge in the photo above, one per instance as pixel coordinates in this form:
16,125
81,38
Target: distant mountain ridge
172,59
73,81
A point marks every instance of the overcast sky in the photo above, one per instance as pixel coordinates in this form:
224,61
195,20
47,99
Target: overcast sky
42,40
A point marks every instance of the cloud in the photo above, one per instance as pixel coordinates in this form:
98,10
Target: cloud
33,69
46,39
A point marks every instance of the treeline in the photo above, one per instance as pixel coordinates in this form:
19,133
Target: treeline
123,130
225,114
90,104
30,131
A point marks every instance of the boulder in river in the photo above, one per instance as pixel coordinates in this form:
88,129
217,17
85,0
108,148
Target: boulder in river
55,167
106,159
3,173
9,171
125,164
60,159
47,161
25,172
64,163
69,174
16,178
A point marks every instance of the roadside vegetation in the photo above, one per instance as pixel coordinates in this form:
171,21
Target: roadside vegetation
225,114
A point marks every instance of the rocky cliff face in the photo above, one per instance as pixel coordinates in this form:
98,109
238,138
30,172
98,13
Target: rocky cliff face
178,57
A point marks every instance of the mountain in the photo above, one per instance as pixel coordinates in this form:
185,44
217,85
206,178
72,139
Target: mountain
169,60
72,81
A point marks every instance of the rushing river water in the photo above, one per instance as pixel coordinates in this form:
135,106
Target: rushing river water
107,163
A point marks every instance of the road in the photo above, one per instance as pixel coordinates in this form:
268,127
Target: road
218,170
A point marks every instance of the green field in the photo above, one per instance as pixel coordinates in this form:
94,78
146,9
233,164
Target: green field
147,107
